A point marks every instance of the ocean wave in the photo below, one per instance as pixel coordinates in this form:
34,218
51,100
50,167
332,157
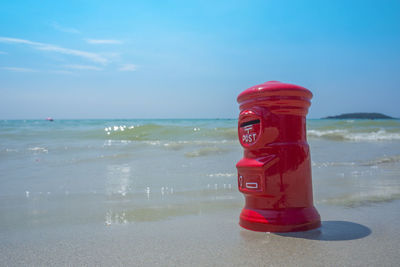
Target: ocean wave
382,160
374,162
205,152
173,133
347,135
154,132
178,135
222,174
379,195
38,149
13,150
329,164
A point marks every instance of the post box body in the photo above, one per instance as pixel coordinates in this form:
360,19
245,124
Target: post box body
275,173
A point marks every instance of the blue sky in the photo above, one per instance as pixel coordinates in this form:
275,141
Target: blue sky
190,59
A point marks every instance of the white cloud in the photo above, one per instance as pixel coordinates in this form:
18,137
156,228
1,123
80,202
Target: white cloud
128,67
82,67
58,49
61,72
60,28
17,69
18,41
104,41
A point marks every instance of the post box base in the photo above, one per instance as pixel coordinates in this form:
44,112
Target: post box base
281,220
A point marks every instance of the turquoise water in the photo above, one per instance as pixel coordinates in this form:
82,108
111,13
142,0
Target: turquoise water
125,171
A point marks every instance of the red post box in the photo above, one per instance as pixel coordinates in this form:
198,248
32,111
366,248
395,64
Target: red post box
275,173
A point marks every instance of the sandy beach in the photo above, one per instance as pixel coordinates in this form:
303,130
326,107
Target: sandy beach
364,236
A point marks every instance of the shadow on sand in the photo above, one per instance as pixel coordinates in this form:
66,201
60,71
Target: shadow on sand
333,231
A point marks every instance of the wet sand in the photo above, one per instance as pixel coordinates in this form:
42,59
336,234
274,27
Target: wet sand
361,236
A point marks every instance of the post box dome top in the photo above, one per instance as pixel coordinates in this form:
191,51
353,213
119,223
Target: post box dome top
274,89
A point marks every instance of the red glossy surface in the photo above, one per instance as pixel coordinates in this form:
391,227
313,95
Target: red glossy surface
275,173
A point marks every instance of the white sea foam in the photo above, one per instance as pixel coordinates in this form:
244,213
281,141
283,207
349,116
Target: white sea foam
117,128
382,160
317,133
153,143
341,134
372,163
221,175
38,149
329,164
377,195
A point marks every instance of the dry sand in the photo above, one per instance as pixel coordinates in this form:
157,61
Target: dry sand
363,236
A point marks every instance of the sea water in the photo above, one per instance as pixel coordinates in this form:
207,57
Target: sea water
115,172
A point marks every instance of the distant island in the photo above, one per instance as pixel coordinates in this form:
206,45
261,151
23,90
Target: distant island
361,115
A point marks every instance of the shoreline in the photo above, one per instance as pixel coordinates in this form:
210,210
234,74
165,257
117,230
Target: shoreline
367,235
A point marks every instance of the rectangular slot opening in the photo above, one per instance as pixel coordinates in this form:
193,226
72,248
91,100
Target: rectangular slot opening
247,123
252,185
